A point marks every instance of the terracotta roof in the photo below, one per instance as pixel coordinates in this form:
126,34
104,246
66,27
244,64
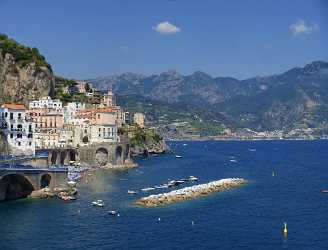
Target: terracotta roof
13,106
103,110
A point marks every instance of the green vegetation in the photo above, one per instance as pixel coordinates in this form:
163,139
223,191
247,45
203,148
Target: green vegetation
22,54
64,90
140,136
188,119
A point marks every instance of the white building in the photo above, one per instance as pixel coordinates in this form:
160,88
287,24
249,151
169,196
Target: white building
46,102
139,118
71,109
17,129
103,133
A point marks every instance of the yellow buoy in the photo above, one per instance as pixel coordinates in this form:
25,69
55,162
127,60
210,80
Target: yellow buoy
285,229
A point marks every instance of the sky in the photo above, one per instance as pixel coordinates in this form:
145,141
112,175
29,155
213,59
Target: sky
86,39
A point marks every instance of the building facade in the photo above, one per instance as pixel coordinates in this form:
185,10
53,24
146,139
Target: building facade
139,118
17,128
46,102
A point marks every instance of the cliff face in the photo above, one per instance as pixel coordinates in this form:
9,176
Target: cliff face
21,83
4,147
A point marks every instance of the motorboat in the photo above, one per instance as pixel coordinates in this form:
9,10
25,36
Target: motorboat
68,198
162,186
178,156
112,212
193,178
325,191
147,189
185,180
173,183
184,144
98,203
233,160
132,192
71,183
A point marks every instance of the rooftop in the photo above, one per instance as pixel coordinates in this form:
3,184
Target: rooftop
13,106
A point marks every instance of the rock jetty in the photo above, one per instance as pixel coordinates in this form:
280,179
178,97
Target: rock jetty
189,193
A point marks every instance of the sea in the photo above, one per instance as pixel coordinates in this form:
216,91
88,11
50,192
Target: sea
286,179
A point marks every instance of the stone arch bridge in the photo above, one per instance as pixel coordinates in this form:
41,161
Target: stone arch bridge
18,183
99,154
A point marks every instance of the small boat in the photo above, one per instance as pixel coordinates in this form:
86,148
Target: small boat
252,149
67,198
173,183
112,212
132,192
178,156
162,186
98,203
147,189
193,178
233,160
180,181
184,144
71,183
325,191
185,179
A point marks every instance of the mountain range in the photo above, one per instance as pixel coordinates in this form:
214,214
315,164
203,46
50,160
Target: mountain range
297,98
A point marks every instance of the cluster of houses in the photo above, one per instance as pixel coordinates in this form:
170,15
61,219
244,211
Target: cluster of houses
47,123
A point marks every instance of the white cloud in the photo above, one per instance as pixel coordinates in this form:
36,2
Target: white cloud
301,27
166,28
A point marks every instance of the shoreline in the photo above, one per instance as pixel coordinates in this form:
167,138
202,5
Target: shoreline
248,139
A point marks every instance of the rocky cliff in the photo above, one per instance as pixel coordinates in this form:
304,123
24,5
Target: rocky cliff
4,147
24,73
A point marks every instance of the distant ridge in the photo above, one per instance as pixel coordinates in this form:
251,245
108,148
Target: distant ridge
297,98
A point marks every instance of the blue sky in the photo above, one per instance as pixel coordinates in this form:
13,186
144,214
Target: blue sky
83,39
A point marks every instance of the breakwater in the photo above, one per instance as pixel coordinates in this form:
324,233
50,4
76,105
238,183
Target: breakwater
189,193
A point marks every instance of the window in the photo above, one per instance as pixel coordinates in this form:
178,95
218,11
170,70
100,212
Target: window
6,114
19,143
19,136
11,116
11,126
19,116
11,135
98,116
30,128
30,143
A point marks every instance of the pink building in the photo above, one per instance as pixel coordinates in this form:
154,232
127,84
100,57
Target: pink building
81,85
46,119
103,116
109,99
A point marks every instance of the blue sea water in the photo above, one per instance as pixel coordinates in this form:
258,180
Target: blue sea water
248,217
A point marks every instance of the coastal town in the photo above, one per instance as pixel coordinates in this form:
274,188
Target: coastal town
48,123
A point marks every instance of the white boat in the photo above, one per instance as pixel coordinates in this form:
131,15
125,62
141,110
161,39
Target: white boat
98,203
193,178
112,212
162,186
71,183
132,192
178,156
147,189
184,144
233,160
